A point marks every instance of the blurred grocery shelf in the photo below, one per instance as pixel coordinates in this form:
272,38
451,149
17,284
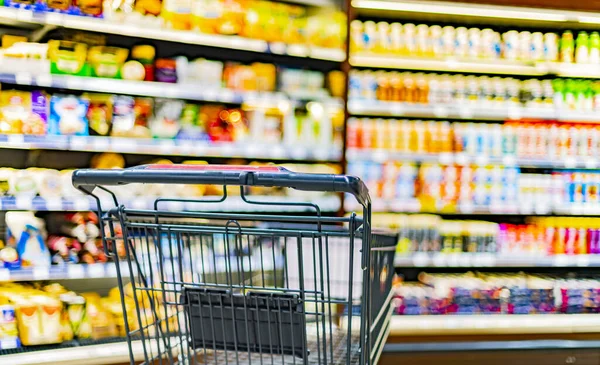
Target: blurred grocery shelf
28,17
498,67
447,64
327,203
539,207
478,260
63,272
171,147
157,89
463,159
474,112
204,148
99,354
493,324
487,13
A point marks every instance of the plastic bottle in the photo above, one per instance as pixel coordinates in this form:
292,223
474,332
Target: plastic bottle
566,47
582,52
594,48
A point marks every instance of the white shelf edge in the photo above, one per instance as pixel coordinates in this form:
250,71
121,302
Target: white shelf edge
472,10
466,112
451,64
102,354
464,159
403,325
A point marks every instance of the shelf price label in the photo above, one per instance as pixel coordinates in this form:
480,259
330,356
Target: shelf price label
561,260
41,273
420,259
75,271
4,275
95,270
24,202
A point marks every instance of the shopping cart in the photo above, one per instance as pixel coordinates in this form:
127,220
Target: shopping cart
212,287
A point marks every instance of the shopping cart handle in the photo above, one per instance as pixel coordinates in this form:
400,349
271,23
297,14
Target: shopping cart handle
268,176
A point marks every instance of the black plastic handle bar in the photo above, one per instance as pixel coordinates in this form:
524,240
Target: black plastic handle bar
268,176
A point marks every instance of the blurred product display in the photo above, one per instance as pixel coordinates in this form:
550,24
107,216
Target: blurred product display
475,127
474,43
264,20
479,293
474,91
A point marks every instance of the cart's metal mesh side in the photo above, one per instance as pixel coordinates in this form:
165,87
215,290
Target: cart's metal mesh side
221,291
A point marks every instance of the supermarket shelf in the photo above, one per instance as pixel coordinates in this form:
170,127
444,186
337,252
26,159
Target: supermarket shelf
63,272
478,260
197,148
463,159
391,205
436,10
493,324
142,88
101,354
172,147
391,348
447,64
327,203
131,29
498,67
466,112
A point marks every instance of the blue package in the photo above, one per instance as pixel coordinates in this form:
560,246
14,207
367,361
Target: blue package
68,116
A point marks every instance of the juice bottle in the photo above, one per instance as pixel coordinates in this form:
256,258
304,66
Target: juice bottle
566,47
581,48
594,48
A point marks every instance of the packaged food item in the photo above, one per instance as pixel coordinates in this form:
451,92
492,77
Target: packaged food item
145,54
107,61
68,115
165,121
26,233
68,58
23,112
165,70
38,314
123,118
99,113
176,14
9,333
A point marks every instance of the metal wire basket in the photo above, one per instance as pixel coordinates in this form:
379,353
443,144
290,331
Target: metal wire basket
210,287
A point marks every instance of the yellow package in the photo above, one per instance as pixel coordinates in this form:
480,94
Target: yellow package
177,14
102,322
38,315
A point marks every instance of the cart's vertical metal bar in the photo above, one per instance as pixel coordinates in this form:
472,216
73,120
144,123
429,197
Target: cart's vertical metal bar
286,273
258,333
291,311
139,319
212,244
179,290
121,286
166,291
302,295
250,257
230,280
152,306
274,260
350,284
329,296
212,320
262,261
322,277
315,295
365,317
280,332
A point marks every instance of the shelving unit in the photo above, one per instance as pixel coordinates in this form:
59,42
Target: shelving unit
28,17
481,260
329,203
494,324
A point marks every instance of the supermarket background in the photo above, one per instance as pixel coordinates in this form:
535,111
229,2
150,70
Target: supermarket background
475,126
